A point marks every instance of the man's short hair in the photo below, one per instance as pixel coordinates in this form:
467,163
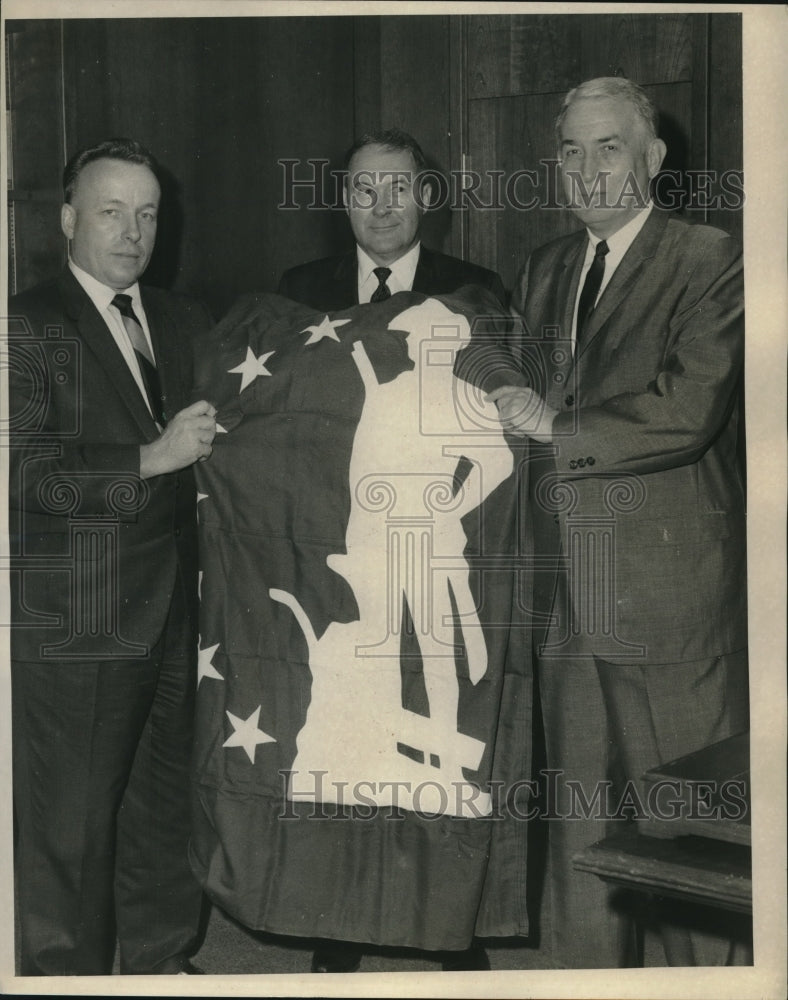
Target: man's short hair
613,86
111,149
390,138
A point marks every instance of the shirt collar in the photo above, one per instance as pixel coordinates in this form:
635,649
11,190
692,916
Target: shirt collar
101,295
403,268
622,240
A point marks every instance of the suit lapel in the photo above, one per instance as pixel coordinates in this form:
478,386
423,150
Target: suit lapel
165,348
568,277
621,284
97,338
424,278
344,283
568,281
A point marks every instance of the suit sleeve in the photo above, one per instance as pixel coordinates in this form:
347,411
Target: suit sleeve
490,360
58,462
676,417
496,287
49,465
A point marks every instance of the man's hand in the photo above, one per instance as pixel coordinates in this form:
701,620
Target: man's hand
186,438
523,412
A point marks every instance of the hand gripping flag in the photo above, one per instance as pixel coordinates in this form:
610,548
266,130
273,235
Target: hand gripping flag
364,676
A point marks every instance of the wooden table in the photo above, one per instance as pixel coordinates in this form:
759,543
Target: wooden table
689,856
695,869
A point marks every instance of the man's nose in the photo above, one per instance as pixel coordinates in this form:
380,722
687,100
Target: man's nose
382,205
589,167
131,228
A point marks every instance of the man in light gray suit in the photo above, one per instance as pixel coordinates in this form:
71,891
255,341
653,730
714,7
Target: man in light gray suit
625,375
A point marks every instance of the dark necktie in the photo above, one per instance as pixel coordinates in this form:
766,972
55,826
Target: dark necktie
143,354
591,288
383,291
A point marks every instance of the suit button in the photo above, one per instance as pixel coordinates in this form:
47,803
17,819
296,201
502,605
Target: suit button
590,460
177,532
570,400
581,463
573,464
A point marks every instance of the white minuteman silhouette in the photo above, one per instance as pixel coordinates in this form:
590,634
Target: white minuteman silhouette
404,538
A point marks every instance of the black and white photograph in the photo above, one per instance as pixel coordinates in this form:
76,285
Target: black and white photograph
393,566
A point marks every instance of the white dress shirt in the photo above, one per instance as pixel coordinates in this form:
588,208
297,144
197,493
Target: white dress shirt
617,246
101,296
403,271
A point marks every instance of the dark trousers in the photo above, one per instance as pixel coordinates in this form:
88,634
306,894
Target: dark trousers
101,788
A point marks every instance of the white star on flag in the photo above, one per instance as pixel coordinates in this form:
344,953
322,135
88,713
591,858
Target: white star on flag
220,429
251,367
327,328
201,497
246,734
205,667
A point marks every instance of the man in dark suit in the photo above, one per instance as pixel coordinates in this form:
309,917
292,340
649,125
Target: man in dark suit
385,201
104,587
625,375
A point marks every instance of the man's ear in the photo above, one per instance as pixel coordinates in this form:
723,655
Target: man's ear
425,196
344,194
655,155
68,217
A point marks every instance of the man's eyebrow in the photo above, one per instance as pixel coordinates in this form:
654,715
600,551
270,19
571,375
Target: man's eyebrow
608,138
120,201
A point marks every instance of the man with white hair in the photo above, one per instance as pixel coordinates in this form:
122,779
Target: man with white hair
637,500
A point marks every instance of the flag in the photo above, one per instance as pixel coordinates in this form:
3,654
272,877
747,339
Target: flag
364,676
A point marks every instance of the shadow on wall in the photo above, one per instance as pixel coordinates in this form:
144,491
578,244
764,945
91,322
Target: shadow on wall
165,261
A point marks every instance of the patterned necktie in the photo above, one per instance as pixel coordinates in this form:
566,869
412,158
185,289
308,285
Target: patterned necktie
143,354
383,291
591,288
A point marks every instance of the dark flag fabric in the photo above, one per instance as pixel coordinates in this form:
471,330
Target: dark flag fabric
364,677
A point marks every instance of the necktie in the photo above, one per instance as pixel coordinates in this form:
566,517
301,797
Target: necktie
591,288
143,354
382,292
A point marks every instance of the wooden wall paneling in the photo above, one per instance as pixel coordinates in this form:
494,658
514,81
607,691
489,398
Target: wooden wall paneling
85,76
36,244
366,75
305,112
272,89
523,54
669,54
36,104
35,146
220,102
415,95
726,120
458,126
678,128
135,77
698,152
646,48
153,97
512,135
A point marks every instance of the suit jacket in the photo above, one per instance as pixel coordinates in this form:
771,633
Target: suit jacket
641,492
332,283
94,547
